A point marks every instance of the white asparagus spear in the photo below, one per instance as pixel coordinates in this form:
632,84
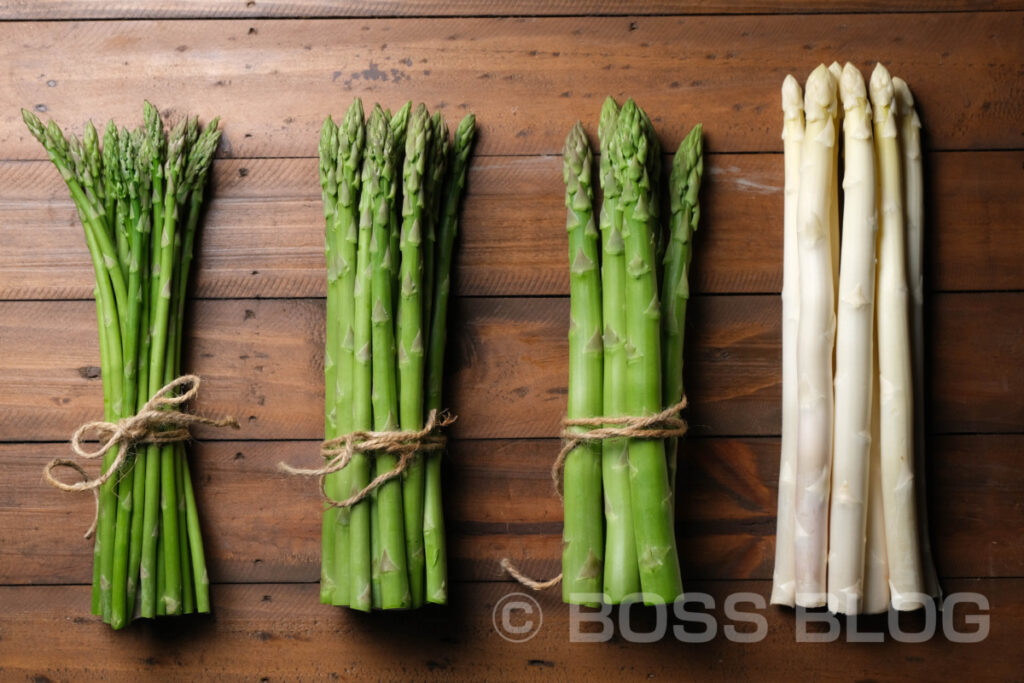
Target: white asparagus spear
876,564
854,351
837,73
815,337
784,578
896,414
913,211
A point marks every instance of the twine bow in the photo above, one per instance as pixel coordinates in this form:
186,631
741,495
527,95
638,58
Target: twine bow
405,444
664,425
153,424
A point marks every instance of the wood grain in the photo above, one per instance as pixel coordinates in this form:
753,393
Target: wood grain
42,10
262,526
262,235
279,629
261,360
527,79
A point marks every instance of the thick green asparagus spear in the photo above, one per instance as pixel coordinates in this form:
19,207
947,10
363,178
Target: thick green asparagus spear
411,338
351,135
372,198
684,184
582,538
621,574
328,182
163,345
651,496
433,514
394,579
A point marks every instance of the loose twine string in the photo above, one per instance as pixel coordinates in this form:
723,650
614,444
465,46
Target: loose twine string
160,422
664,425
405,444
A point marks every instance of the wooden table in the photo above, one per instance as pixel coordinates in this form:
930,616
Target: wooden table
273,70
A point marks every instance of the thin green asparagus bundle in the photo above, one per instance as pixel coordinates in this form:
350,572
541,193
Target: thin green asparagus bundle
625,356
391,188
139,196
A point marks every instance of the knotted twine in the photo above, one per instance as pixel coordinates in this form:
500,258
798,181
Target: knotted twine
159,421
664,425
404,444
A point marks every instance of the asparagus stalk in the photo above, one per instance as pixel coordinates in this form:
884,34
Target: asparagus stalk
814,341
784,576
372,199
836,71
448,224
394,578
854,350
684,185
650,494
896,424
433,184
411,339
328,150
876,565
582,542
621,572
351,136
913,209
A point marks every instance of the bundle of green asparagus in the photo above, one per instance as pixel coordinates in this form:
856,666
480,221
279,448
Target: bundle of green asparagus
625,356
139,195
391,191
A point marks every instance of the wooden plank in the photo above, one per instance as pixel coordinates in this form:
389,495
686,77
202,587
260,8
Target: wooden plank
261,361
41,10
527,79
501,504
263,238
281,631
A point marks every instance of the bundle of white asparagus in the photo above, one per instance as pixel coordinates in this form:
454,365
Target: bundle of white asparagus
852,523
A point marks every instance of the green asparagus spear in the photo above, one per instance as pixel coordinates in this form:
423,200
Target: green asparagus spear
650,495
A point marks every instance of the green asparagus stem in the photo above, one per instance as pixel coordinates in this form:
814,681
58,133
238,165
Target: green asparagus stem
351,135
433,188
621,573
329,184
399,124
164,341
684,184
394,579
410,333
583,541
433,513
653,522
372,199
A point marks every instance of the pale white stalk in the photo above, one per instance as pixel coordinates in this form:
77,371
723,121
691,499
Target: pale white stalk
837,73
876,564
815,336
913,211
854,352
784,578
896,414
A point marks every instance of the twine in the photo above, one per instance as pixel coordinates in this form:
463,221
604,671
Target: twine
664,425
152,424
405,444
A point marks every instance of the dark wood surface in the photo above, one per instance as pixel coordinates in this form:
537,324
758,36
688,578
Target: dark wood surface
273,71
